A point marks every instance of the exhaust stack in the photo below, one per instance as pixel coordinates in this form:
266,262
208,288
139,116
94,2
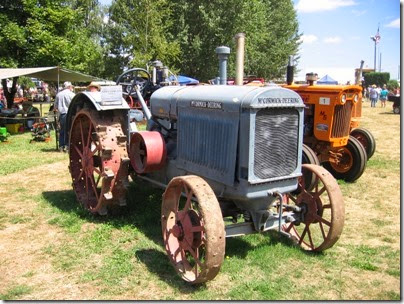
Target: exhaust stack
240,45
223,54
290,71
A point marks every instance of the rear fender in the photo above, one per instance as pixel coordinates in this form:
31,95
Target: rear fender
92,100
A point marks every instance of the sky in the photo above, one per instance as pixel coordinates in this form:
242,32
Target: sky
336,37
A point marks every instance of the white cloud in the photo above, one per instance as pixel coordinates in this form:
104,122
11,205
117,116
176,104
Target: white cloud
310,6
332,40
308,39
395,23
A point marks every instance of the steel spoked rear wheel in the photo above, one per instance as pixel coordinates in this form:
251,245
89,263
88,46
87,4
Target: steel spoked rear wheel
193,229
98,161
323,212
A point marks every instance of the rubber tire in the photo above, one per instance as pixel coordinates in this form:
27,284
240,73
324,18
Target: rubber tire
370,140
396,110
309,157
358,165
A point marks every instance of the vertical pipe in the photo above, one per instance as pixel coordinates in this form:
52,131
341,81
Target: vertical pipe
223,53
289,71
375,58
240,45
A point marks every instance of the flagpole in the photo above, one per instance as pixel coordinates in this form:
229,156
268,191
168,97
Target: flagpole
375,57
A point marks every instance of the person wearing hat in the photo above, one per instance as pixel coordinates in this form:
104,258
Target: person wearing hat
373,95
94,87
62,102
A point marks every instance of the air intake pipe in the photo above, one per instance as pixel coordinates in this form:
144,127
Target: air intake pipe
240,44
223,54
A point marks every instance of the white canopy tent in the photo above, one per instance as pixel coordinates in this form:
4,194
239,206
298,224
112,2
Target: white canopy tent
56,73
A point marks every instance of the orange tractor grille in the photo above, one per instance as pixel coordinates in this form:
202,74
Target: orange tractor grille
341,121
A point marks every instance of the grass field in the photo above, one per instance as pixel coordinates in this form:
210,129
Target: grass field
52,249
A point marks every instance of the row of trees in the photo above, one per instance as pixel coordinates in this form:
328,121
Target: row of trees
102,41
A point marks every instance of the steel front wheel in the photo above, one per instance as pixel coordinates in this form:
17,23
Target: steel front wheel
366,139
98,161
193,229
322,215
350,162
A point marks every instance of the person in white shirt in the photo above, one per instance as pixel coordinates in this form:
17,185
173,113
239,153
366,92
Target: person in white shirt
62,102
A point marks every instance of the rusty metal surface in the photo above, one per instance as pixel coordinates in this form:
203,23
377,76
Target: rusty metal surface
323,215
193,229
98,161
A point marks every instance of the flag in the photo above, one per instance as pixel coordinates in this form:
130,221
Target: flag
377,36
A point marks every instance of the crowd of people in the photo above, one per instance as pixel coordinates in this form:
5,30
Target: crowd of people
375,93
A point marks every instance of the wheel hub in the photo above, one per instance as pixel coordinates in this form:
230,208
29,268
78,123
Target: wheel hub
312,206
183,229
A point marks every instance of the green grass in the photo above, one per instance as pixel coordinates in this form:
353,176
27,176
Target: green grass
16,292
19,154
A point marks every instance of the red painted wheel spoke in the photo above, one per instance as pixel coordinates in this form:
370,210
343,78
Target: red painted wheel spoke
188,202
94,186
327,206
195,256
303,234
78,151
310,239
89,135
80,175
316,183
82,134
322,230
322,220
197,228
289,228
321,191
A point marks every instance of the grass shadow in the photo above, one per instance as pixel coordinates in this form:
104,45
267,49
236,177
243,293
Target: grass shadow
142,210
46,150
158,264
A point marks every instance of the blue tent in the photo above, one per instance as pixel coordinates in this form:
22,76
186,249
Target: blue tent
327,80
184,80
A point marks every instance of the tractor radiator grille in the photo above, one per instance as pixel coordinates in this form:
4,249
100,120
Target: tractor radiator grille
207,144
276,142
342,118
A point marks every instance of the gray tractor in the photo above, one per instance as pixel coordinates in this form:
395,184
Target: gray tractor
228,157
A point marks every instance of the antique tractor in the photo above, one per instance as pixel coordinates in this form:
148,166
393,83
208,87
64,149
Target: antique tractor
223,154
331,120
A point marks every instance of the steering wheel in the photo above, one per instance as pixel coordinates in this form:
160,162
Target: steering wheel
132,77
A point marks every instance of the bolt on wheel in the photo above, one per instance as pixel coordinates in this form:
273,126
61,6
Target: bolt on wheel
193,229
322,215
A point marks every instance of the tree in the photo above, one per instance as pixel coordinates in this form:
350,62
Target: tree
376,78
138,33
48,33
270,26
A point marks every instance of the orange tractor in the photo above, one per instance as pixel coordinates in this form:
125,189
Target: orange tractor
331,133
